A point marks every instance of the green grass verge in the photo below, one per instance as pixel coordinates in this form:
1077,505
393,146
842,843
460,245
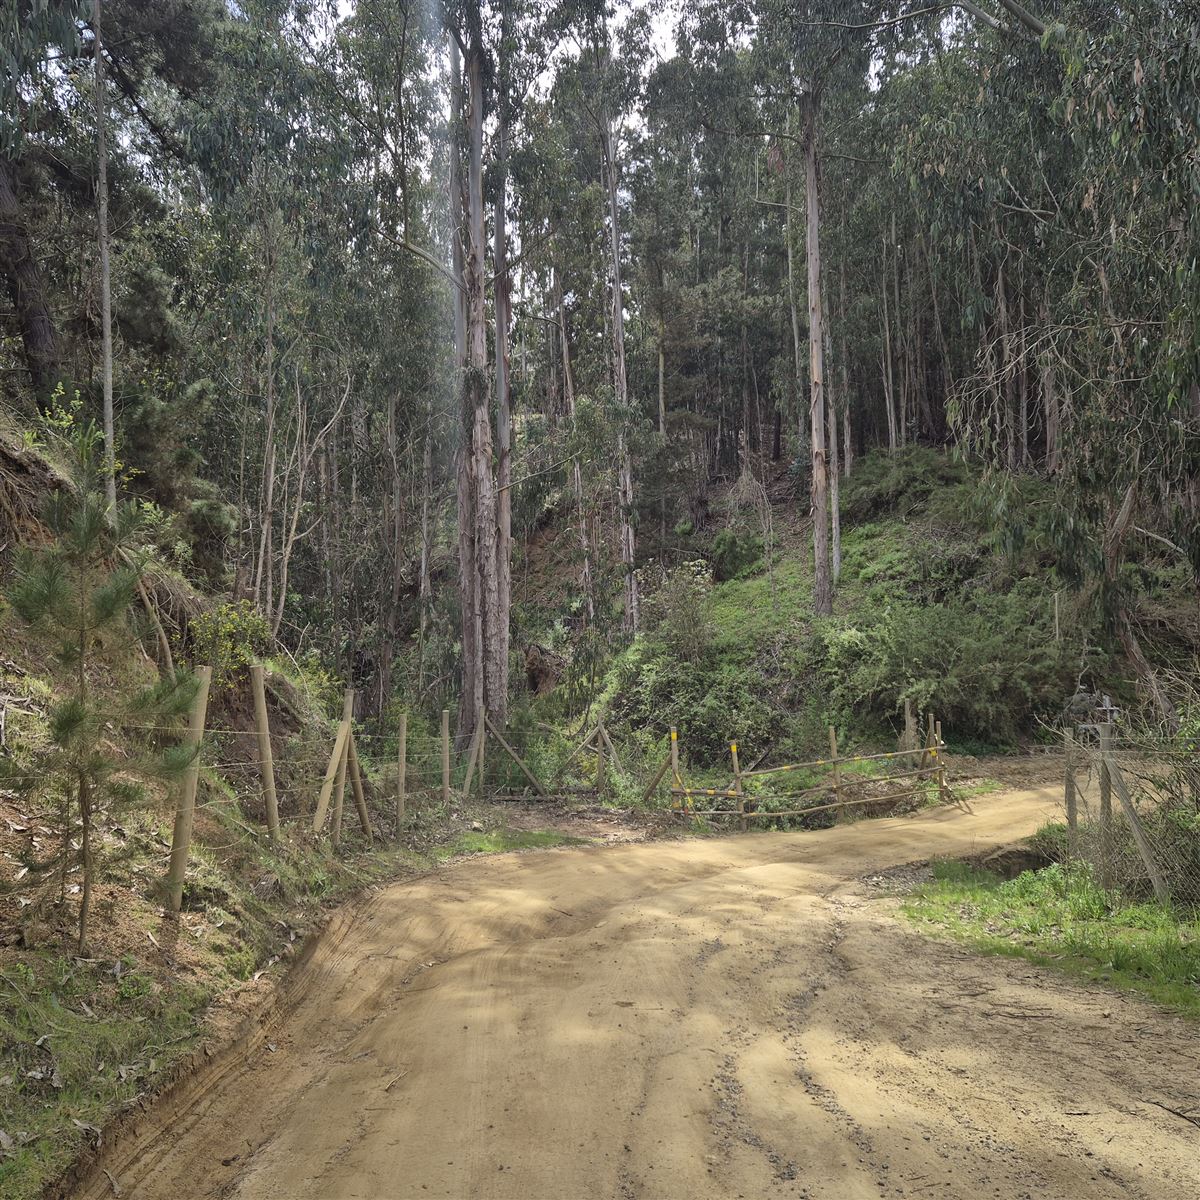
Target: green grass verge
81,1040
1062,918
498,841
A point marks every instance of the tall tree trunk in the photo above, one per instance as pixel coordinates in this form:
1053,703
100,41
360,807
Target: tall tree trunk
26,287
889,385
482,468
843,359
471,692
503,302
106,351
425,584
822,583
568,383
628,541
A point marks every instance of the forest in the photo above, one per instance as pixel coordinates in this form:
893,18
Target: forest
819,376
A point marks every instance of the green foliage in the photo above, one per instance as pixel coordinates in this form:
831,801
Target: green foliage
229,637
1062,917
896,483
734,552
76,592
73,1038
983,669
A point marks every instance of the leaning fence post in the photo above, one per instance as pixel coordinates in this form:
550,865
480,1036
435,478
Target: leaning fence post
401,771
600,773
1069,789
737,787
360,798
335,761
339,791
481,725
837,771
266,763
1161,892
181,836
1105,808
445,756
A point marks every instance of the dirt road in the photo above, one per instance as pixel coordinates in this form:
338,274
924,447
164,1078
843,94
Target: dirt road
724,1018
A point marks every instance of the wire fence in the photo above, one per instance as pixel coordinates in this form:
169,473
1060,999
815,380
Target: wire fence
1133,813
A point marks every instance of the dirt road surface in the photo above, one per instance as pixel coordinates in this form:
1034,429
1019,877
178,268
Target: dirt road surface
736,1017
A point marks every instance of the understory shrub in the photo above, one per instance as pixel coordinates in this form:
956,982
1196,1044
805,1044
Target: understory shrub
987,671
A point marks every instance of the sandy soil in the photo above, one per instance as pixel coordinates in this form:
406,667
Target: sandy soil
736,1017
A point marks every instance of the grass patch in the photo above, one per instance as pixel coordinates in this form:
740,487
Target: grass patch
498,841
1060,917
76,1049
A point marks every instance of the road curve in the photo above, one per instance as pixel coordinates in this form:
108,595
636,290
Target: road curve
733,1017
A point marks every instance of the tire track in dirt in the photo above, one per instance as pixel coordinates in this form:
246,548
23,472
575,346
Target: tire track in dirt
720,1018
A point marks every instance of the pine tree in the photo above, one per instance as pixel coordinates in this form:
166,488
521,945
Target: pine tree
78,591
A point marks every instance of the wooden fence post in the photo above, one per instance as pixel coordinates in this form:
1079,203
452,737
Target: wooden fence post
185,808
360,799
675,756
943,790
335,761
339,792
737,787
472,760
1069,789
445,756
481,725
656,779
1105,808
537,786
401,771
837,771
600,772
266,764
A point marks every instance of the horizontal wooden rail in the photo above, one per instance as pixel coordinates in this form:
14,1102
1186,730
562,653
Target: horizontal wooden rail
847,784
841,762
796,812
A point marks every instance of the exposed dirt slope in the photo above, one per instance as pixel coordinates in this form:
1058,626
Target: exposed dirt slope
721,1018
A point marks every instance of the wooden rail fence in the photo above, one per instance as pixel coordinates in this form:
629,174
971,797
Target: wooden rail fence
344,766
931,766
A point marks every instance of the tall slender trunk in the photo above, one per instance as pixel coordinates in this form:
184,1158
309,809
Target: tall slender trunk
425,584
471,692
503,303
902,407
628,542
822,583
482,468
835,516
842,360
793,304
568,382
106,351
662,377
889,386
